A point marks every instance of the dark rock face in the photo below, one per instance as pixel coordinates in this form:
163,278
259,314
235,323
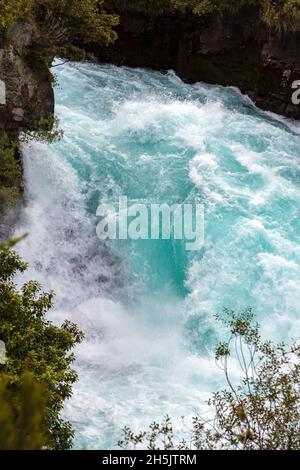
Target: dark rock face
27,81
26,99
234,50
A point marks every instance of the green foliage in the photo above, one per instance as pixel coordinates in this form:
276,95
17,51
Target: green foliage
10,175
62,27
66,26
34,343
11,10
262,412
47,130
281,14
11,243
199,7
278,14
75,21
22,414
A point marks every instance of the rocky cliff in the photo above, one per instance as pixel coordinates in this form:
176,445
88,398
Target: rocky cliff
25,80
236,50
26,104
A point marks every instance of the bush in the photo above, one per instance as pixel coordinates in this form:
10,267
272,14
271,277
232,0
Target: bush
62,27
281,14
34,343
277,14
11,10
75,21
22,414
262,412
10,175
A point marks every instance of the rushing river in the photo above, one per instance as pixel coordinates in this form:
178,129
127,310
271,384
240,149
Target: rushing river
148,307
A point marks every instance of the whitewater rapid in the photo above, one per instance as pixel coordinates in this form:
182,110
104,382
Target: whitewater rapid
147,307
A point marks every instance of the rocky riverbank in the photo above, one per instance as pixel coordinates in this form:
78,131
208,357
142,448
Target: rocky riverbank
28,84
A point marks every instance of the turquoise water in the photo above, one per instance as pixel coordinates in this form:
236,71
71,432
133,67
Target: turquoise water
148,307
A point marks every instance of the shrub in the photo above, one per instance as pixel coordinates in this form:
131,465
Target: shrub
11,10
62,25
34,343
10,175
281,14
278,14
22,414
76,21
262,412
